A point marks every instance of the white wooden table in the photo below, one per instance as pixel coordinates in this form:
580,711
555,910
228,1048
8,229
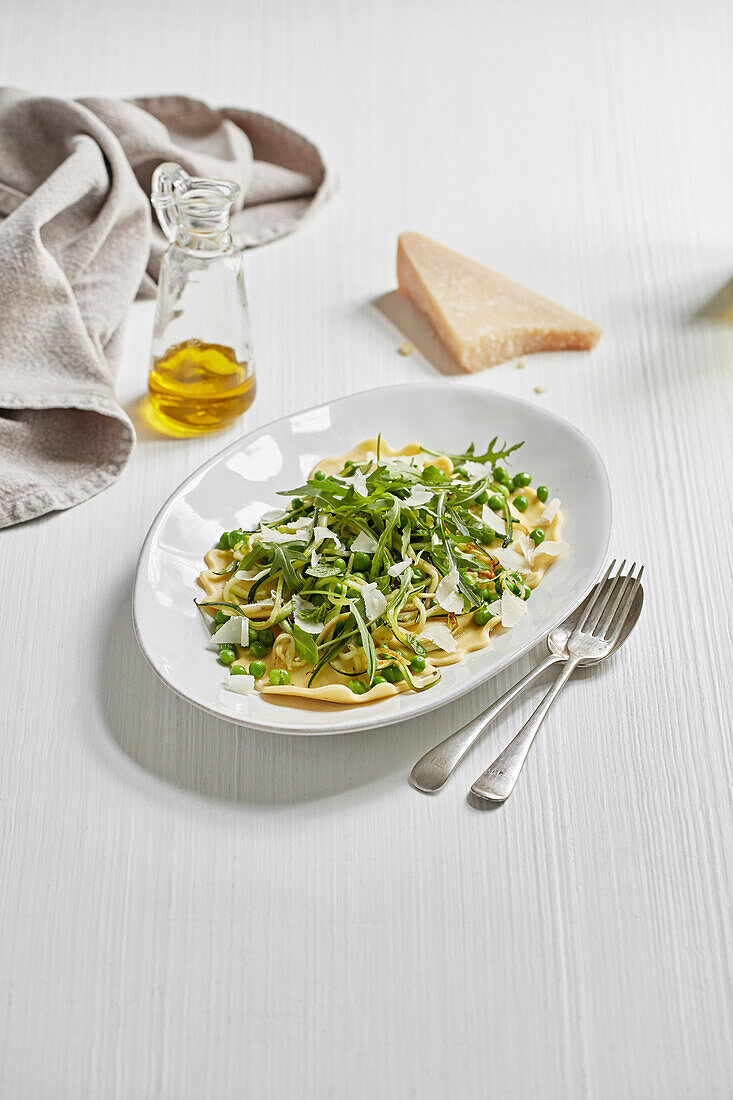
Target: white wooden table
190,910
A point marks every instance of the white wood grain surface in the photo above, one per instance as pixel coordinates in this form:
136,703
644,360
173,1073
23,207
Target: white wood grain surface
189,910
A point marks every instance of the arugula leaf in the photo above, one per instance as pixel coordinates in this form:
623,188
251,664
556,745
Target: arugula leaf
432,474
324,569
305,645
509,524
335,649
283,557
464,587
492,454
384,538
366,640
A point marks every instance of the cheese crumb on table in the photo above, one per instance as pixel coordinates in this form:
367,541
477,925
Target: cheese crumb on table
521,364
481,317
541,389
405,348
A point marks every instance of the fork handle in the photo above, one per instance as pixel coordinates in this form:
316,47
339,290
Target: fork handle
434,769
497,782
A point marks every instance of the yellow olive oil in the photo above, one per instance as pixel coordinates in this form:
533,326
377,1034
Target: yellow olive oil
197,387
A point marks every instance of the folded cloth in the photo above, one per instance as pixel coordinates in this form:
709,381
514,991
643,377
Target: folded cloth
77,244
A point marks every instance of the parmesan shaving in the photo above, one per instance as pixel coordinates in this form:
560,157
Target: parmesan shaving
398,568
320,534
513,608
440,636
364,543
358,480
528,548
300,605
299,524
242,685
551,510
551,548
360,485
509,559
447,593
493,520
235,631
270,537
418,497
375,602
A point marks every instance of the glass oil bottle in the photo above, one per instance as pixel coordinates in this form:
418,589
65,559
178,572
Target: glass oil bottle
202,372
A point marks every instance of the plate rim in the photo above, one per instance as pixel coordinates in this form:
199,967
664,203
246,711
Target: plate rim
293,729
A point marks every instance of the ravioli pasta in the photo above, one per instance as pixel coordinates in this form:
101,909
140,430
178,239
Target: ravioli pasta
384,567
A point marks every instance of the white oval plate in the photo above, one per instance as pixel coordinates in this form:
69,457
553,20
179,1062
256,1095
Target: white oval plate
237,486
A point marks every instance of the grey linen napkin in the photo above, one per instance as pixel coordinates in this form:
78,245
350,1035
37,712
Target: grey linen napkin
77,244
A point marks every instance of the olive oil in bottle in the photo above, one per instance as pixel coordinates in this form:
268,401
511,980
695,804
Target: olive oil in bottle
202,371
200,387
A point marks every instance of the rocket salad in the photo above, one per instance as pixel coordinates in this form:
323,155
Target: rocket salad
380,568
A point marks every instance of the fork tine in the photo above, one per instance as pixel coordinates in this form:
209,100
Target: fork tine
598,592
612,587
615,597
619,596
624,609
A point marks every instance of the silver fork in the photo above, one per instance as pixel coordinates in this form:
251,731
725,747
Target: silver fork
592,639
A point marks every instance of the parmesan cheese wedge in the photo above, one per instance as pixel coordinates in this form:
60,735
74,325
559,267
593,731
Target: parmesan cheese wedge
482,317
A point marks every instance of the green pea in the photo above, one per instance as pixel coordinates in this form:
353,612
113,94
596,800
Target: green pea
257,669
237,670
339,589
487,535
266,638
279,676
227,654
357,578
481,616
522,480
378,680
482,498
257,649
521,503
362,562
319,475
296,503
537,536
542,493
284,676
496,502
357,687
220,618
393,673
417,664
340,565
501,474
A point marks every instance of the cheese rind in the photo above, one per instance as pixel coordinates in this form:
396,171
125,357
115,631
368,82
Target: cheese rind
482,317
